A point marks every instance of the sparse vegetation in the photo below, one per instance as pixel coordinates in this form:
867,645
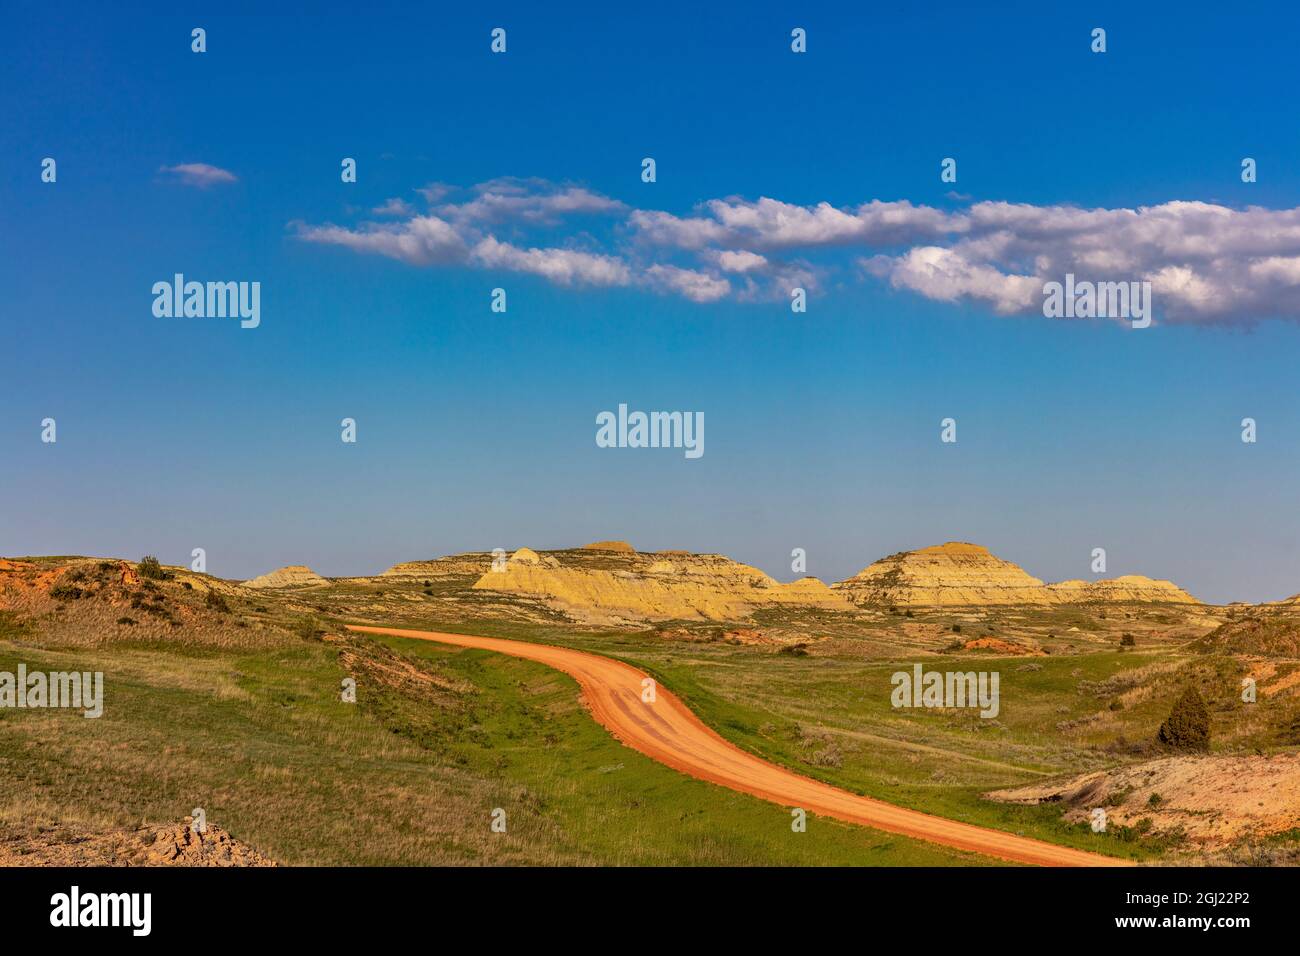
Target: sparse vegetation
307,628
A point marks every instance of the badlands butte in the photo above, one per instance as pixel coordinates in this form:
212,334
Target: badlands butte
224,694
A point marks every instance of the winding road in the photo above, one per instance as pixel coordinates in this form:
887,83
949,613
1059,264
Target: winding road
669,732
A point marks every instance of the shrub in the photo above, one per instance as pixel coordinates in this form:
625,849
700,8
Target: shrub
956,628
307,628
216,601
149,567
1127,640
65,592
126,620
1188,725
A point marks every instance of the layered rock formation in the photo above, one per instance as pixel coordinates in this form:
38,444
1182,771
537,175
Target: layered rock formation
622,546
293,576
609,582
960,574
1128,587
455,565
956,573
612,585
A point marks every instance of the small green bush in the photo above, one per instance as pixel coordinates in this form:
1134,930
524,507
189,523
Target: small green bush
307,628
149,567
1188,725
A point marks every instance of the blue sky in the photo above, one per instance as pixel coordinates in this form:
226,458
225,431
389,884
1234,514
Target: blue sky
476,430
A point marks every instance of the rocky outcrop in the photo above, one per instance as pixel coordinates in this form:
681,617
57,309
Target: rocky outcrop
1211,799
455,565
293,576
1129,587
1263,632
661,586
622,546
960,574
956,573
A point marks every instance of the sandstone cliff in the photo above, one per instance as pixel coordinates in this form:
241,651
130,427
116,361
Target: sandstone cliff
615,585
1128,587
956,573
293,576
455,565
962,574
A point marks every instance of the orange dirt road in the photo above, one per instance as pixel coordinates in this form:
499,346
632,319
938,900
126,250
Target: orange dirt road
669,732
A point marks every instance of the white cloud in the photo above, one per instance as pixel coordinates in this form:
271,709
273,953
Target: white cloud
1205,262
199,174
694,285
433,192
561,266
771,224
535,202
394,207
420,241
945,274
740,261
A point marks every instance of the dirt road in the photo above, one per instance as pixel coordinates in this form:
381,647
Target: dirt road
667,731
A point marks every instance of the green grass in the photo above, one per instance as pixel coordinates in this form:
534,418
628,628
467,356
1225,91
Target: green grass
263,743
1055,719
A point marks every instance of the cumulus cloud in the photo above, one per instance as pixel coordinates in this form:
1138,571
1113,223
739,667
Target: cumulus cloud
740,260
695,285
201,175
535,202
1205,262
770,224
434,192
561,266
394,207
420,241
947,275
